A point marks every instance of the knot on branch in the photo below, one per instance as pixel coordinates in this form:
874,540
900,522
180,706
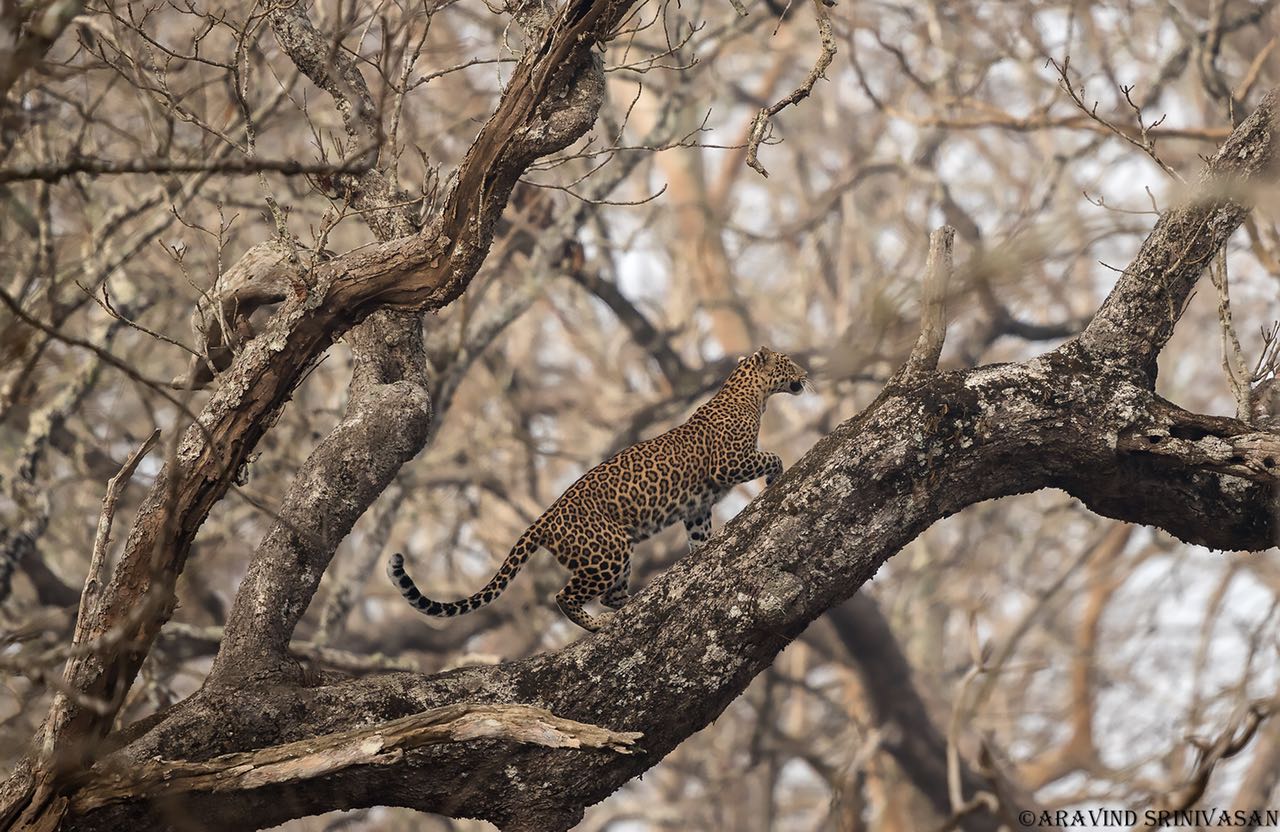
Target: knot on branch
565,114
263,276
1250,456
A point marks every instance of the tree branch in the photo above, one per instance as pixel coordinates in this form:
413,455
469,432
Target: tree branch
377,745
224,167
801,547
933,322
1138,317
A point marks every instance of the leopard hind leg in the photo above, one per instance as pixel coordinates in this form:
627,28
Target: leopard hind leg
619,593
697,525
598,561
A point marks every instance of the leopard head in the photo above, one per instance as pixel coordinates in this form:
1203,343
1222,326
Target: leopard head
778,372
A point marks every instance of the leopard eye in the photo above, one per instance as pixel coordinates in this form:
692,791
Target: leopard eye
796,386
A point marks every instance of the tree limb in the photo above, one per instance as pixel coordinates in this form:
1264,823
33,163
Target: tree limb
1137,318
377,745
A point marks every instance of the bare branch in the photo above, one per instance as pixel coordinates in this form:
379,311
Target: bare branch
223,167
115,487
1139,315
760,127
933,321
1233,739
1233,363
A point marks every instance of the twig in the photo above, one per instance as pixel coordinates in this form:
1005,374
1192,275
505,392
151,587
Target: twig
1233,362
1144,141
107,358
106,304
115,487
979,655
358,163
760,126
188,640
1234,739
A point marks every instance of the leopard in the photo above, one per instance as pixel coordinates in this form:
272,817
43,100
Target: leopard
594,526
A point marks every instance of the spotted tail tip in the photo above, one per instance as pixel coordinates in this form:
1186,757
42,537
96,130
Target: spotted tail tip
395,565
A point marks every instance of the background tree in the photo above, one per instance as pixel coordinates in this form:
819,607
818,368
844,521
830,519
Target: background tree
224,223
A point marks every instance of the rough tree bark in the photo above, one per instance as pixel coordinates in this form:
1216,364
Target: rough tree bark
1083,418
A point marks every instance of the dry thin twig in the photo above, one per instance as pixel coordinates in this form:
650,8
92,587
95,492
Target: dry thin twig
115,487
1144,141
1233,362
980,656
760,127
1233,739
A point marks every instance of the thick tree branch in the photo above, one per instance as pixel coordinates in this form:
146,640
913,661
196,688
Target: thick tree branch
1138,317
386,423
690,643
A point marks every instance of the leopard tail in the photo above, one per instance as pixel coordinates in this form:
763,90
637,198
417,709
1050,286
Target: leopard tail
520,553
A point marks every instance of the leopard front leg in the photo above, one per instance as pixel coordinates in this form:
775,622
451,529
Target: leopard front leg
764,464
745,466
